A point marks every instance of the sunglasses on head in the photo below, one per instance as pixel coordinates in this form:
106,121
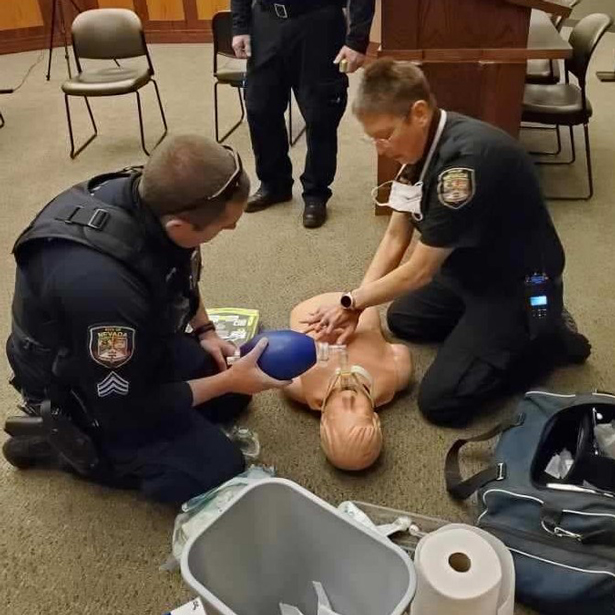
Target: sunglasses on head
229,187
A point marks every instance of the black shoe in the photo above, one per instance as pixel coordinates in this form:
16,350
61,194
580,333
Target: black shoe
29,451
264,198
569,345
314,214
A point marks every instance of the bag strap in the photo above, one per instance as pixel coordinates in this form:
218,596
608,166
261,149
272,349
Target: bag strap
461,489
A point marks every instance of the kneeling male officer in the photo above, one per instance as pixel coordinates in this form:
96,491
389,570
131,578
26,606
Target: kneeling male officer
107,281
485,277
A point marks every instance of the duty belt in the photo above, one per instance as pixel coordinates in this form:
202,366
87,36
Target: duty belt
289,10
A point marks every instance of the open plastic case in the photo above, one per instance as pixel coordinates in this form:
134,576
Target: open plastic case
573,430
381,515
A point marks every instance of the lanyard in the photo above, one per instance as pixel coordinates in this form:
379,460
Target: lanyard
432,149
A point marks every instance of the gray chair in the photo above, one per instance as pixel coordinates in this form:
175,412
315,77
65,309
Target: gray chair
566,104
547,72
109,34
222,31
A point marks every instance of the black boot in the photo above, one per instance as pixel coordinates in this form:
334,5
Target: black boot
265,197
567,344
315,213
28,451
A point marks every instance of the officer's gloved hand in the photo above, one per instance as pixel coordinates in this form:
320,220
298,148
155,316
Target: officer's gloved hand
247,378
242,46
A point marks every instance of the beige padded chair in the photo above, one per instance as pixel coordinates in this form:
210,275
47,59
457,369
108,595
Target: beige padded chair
109,34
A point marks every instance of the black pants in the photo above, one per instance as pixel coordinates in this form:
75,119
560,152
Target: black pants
177,457
190,454
297,54
486,347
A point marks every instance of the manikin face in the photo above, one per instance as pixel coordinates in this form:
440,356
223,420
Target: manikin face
350,430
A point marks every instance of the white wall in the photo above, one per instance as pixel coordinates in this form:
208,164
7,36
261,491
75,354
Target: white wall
593,6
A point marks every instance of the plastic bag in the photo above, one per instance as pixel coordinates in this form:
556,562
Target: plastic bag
324,605
247,440
201,510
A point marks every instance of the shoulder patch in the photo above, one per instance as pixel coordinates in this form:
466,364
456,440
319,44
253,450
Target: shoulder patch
111,346
456,187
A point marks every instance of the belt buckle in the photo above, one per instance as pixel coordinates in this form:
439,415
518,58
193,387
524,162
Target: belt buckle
280,11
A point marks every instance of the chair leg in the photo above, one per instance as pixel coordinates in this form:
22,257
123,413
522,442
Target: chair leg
75,152
590,174
558,151
588,154
162,115
216,119
243,108
236,125
140,111
292,141
1,120
573,150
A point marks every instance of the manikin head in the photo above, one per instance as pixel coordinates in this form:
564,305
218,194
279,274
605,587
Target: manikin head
396,107
350,432
196,187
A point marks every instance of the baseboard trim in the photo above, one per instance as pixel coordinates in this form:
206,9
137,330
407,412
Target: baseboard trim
41,41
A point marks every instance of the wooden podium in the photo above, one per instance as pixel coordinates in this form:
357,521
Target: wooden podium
473,52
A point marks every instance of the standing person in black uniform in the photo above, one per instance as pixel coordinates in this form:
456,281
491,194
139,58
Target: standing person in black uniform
107,281
485,277
298,45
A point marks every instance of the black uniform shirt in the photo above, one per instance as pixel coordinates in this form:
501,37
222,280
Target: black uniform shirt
360,16
108,321
482,197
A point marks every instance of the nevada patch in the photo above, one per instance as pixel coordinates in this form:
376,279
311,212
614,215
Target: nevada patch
111,347
112,384
456,187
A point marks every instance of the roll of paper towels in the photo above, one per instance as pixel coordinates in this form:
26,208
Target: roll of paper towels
462,570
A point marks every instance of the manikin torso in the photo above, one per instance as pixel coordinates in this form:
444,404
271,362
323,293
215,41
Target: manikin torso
350,429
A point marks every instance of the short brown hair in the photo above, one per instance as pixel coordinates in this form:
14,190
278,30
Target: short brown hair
390,87
186,169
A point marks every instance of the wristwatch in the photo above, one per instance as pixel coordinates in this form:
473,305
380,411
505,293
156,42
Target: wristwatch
347,301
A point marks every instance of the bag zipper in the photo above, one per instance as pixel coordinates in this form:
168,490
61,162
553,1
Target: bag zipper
576,545
569,545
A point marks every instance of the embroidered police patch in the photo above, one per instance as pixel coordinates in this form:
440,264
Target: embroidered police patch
112,347
112,384
456,187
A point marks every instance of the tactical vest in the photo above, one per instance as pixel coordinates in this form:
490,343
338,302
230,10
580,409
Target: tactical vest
77,216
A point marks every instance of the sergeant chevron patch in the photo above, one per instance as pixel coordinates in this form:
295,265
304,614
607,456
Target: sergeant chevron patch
113,384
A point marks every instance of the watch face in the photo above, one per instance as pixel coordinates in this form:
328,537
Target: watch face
346,301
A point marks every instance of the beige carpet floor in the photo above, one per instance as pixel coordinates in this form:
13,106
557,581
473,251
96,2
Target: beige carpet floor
71,547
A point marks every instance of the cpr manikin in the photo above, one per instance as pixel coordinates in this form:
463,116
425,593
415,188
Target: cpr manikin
348,387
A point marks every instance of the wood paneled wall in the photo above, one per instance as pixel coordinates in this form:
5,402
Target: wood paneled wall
15,15
26,24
